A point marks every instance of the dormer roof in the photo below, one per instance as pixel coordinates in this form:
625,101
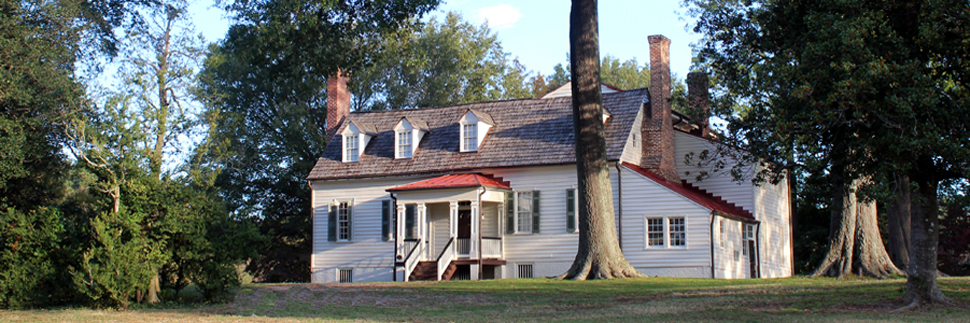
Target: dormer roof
482,117
526,132
362,127
417,123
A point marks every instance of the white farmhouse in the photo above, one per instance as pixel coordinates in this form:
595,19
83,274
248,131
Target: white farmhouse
487,190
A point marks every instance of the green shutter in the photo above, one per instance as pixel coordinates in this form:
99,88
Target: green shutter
350,220
332,222
510,212
409,215
535,211
571,210
386,220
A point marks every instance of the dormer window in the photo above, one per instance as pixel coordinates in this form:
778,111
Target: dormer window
356,135
469,137
474,126
404,144
408,133
351,148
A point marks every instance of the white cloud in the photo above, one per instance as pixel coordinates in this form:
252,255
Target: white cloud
499,17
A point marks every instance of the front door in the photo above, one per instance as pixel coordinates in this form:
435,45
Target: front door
752,258
464,231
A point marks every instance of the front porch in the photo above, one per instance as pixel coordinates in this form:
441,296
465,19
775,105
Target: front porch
445,232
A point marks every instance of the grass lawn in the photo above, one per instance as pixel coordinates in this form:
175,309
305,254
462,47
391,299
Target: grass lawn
633,300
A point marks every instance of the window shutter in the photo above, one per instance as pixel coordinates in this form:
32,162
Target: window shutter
571,210
535,211
510,212
332,222
350,220
386,220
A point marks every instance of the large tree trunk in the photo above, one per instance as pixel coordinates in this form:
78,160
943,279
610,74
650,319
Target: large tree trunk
898,223
854,239
599,255
921,287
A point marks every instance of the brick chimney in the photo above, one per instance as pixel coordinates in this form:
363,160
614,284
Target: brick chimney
698,102
338,102
658,129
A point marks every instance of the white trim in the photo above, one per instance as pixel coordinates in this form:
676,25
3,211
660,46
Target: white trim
665,222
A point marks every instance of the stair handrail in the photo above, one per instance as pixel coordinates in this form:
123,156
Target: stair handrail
447,255
411,261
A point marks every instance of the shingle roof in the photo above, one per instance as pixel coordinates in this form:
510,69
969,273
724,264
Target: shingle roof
695,194
454,181
527,132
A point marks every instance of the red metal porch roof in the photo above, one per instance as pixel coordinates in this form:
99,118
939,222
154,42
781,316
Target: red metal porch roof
695,194
454,181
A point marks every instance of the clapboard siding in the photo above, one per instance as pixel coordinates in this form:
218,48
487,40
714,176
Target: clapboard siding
440,218
490,220
632,151
728,258
367,249
640,196
775,234
552,243
720,183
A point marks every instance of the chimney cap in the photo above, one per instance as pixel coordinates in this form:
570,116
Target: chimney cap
658,38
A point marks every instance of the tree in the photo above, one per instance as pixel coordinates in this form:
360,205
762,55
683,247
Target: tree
599,255
264,90
857,90
441,63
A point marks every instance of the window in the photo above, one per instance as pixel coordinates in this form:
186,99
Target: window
388,221
747,235
346,275
469,137
343,222
404,144
351,150
525,271
677,231
655,232
340,221
571,204
522,212
525,212
721,236
666,232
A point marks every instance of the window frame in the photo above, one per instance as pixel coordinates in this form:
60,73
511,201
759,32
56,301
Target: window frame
345,209
469,131
352,148
666,232
747,234
405,150
534,212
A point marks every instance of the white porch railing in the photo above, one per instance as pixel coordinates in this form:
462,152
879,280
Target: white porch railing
491,247
405,248
447,255
411,260
464,247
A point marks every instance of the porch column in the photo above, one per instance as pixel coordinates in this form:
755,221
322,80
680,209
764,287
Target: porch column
475,220
399,224
453,219
423,227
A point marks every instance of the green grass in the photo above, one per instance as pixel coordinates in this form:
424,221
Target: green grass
542,300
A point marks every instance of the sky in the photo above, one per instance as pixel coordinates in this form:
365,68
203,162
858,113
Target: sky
537,31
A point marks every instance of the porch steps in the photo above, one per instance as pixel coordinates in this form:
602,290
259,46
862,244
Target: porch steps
428,270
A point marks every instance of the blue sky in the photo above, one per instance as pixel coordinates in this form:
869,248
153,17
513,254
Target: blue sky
537,31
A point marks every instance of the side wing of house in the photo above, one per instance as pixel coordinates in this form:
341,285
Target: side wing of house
769,203
664,233
359,247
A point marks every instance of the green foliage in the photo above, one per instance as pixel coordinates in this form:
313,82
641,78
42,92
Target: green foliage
441,63
263,87
29,257
625,75
120,261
